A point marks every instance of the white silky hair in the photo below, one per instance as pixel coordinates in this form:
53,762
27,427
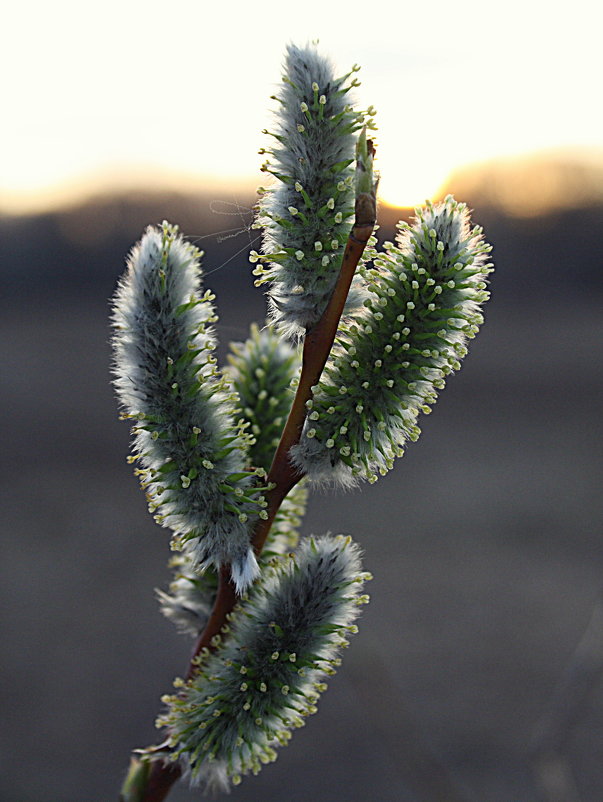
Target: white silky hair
387,365
267,676
167,381
307,214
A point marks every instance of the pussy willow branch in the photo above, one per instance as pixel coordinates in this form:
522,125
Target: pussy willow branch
282,475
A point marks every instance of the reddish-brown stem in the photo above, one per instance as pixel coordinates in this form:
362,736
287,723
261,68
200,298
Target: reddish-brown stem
283,475
225,600
317,347
162,776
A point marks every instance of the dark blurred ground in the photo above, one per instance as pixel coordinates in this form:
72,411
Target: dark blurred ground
485,542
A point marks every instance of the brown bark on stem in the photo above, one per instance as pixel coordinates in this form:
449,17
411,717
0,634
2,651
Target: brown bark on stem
317,347
282,475
162,776
225,600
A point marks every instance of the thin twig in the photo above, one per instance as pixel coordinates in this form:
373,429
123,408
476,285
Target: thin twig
317,346
226,598
282,475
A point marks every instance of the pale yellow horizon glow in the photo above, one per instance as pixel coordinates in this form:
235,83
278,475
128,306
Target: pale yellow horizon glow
127,94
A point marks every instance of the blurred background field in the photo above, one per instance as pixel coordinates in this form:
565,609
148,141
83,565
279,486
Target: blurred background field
485,541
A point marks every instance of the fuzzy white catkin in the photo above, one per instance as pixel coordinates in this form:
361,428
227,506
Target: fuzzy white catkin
388,364
266,677
307,214
264,370
191,450
261,370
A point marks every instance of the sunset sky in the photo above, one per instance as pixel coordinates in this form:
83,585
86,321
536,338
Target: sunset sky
126,93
